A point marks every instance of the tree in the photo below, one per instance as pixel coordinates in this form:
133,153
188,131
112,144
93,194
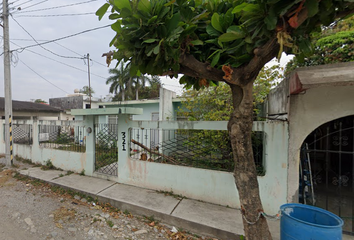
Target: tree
88,91
214,103
229,41
333,44
119,80
39,101
151,91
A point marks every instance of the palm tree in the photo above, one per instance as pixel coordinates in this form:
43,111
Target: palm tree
140,82
119,80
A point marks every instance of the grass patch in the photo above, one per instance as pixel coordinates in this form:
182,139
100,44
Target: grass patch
172,194
48,166
69,173
110,223
23,160
2,166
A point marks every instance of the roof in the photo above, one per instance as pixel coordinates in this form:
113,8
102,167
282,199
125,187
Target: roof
28,106
140,101
337,74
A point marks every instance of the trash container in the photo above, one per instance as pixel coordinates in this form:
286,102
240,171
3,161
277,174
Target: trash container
304,222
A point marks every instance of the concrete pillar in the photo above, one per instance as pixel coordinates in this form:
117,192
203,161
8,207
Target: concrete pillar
89,122
2,135
165,106
123,146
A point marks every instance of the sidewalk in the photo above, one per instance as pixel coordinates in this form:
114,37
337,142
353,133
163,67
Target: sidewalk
195,216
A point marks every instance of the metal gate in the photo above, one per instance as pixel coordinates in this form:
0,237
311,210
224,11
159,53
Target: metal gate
327,170
106,155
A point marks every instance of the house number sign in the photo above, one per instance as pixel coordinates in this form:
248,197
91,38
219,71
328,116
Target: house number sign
123,141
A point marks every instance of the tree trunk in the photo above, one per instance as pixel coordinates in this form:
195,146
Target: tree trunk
245,174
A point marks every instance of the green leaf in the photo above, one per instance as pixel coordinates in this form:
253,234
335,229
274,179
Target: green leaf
312,7
152,19
197,42
246,7
305,47
144,6
114,16
102,10
151,40
231,36
271,21
157,49
116,26
212,31
170,3
215,22
120,4
234,29
173,22
239,8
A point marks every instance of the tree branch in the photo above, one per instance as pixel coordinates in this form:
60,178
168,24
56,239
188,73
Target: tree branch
262,55
190,66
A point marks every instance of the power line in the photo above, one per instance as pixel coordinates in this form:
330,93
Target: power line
36,4
79,54
44,40
42,77
62,6
20,3
57,15
39,43
58,39
59,62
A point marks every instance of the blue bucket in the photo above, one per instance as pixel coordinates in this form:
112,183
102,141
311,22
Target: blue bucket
304,222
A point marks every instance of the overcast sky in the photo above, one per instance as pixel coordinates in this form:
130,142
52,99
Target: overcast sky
39,73
35,71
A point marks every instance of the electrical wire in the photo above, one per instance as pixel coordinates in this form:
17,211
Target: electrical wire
58,39
14,7
57,15
62,6
42,77
80,54
23,39
35,4
85,71
40,44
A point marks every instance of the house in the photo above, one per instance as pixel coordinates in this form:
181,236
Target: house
162,108
22,110
318,103
76,100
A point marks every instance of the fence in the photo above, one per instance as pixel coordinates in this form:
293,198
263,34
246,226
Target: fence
68,137
106,154
22,133
207,149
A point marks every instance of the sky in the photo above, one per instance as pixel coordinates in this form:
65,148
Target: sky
38,73
60,68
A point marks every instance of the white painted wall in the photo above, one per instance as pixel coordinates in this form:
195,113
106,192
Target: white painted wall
308,111
208,185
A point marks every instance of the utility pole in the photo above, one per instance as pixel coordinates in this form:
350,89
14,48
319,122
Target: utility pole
88,66
7,87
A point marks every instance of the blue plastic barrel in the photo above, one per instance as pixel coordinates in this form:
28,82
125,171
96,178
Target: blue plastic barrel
304,222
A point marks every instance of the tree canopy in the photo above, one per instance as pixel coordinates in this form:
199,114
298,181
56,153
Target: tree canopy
159,37
40,101
332,45
88,91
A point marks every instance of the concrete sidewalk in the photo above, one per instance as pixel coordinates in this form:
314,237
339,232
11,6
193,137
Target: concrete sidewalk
198,217
195,216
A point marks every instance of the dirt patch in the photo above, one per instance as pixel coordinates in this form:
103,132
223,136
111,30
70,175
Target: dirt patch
4,177
62,215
